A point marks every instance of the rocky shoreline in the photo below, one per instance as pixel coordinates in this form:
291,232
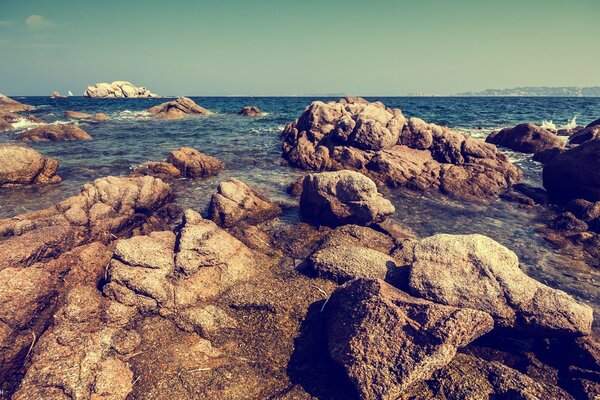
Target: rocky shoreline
119,293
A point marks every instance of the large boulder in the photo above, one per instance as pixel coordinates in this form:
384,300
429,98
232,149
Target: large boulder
8,104
21,165
177,109
588,133
525,138
476,272
342,197
379,142
193,164
388,341
236,202
117,89
575,173
251,111
55,133
82,115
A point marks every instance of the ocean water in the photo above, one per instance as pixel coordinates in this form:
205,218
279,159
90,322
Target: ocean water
251,150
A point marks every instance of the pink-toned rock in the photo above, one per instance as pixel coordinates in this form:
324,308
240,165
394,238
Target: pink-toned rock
20,165
55,133
193,164
177,109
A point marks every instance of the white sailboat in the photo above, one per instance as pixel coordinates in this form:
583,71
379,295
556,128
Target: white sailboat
70,94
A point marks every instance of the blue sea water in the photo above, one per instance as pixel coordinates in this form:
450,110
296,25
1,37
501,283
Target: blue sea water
251,150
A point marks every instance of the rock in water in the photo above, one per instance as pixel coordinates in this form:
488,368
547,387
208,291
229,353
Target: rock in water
193,164
342,197
251,111
7,119
82,115
57,95
20,165
117,89
526,138
575,173
476,272
379,142
177,109
10,105
236,202
55,133
388,340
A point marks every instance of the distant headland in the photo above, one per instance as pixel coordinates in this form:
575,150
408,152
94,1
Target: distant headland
568,91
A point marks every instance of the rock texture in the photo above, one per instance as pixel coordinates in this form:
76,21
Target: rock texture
57,95
82,115
7,119
20,165
342,197
117,89
476,272
387,340
590,132
381,143
235,203
55,133
251,111
575,173
193,164
525,138
177,109
10,105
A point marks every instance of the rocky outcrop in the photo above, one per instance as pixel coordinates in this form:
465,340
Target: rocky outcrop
57,95
193,164
117,89
55,133
525,138
251,111
20,165
590,132
235,203
177,109
82,115
387,340
379,142
10,105
575,173
7,119
476,272
342,197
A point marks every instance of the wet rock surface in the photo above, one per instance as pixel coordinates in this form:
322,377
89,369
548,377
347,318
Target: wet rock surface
177,109
251,111
185,162
526,138
381,143
55,133
20,165
82,115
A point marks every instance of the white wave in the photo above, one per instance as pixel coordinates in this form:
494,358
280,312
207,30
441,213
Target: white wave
548,124
268,129
23,124
572,123
130,115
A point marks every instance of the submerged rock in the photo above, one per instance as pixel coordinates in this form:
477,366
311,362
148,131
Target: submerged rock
177,109
388,341
476,272
574,174
379,142
235,202
117,89
55,133
20,165
251,111
82,115
342,197
10,105
526,138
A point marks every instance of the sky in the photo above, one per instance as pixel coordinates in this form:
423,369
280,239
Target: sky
298,47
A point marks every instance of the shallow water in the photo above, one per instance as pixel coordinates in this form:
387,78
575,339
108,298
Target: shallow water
251,150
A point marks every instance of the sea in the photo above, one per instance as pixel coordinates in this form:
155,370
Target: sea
251,151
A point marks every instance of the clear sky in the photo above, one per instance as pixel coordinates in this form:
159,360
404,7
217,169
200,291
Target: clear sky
295,47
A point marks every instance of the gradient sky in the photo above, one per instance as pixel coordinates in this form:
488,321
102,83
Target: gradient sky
295,47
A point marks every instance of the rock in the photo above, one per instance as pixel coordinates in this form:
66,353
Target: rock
342,197
82,115
161,169
353,251
590,132
476,272
388,341
10,105
583,209
545,156
55,133
538,195
468,377
574,174
236,202
251,111
568,222
117,89
177,109
20,165
7,119
57,95
379,142
525,138
569,131
193,164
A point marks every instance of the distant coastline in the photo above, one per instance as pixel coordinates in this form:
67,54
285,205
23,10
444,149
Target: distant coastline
537,91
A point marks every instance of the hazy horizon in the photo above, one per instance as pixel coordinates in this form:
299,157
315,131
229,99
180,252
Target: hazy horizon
313,48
